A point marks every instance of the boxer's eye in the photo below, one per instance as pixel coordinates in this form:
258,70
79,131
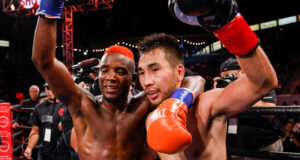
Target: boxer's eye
103,70
141,73
154,69
121,72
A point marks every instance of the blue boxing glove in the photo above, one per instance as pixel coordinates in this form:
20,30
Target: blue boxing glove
50,8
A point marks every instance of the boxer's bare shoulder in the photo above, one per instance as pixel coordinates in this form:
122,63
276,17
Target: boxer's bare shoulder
109,133
206,101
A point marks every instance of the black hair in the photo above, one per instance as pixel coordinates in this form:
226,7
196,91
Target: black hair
168,43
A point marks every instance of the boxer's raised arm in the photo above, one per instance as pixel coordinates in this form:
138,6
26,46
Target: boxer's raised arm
223,20
258,80
53,71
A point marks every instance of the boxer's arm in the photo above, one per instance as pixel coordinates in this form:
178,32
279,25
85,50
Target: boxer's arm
194,83
73,140
52,70
228,25
258,80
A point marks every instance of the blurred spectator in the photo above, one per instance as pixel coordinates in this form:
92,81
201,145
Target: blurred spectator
94,75
24,117
42,96
34,92
45,131
296,127
290,139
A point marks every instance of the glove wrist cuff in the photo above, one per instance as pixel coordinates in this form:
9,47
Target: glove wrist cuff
184,95
237,36
48,16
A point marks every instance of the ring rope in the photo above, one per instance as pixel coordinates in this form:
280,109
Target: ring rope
289,110
263,154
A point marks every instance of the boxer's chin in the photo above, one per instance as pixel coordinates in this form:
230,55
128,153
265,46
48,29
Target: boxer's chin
112,100
156,101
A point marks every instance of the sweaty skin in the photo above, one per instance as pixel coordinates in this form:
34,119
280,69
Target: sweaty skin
112,130
105,130
107,133
111,127
207,119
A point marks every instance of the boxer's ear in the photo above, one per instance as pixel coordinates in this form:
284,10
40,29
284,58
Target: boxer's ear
180,72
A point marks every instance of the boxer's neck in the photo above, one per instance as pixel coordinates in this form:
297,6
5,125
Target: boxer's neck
115,107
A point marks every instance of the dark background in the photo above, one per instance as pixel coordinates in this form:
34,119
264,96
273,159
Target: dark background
129,20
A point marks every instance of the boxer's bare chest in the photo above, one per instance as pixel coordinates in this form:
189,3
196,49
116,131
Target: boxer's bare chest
118,133
208,135
118,125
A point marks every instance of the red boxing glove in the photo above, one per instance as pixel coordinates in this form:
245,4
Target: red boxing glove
166,131
237,36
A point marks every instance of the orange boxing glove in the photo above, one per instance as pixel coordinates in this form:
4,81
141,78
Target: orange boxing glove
166,131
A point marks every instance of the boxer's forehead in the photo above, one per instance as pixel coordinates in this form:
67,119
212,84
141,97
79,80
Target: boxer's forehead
156,56
115,59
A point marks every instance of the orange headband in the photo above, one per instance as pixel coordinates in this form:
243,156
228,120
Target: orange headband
121,50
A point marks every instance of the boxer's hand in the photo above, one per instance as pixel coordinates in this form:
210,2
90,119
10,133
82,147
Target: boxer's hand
220,17
51,9
28,153
166,131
